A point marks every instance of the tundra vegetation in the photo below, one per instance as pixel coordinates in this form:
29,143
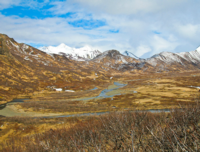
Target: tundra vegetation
26,72
160,91
178,130
121,129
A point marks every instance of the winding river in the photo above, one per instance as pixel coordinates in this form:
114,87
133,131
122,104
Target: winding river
9,110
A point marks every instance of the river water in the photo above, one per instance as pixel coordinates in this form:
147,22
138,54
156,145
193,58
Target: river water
111,91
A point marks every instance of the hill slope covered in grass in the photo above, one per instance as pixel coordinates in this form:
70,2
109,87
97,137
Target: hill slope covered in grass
25,69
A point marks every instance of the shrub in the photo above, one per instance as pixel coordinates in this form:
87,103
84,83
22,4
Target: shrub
178,130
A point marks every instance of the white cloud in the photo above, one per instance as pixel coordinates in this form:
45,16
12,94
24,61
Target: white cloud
53,31
189,30
8,3
127,7
142,49
160,44
145,27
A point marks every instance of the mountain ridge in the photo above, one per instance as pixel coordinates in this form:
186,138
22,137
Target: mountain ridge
77,54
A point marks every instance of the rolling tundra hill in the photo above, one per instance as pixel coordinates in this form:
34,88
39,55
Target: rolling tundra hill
25,69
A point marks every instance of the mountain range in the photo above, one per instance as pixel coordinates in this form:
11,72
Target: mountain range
79,54
161,60
25,69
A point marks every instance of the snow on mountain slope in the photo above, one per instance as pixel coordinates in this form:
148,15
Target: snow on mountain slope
173,58
166,57
113,59
126,53
78,54
193,56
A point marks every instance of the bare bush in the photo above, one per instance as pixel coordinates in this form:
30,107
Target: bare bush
178,130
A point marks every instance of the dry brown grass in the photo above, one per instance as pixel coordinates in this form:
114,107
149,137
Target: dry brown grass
15,127
69,107
121,131
152,93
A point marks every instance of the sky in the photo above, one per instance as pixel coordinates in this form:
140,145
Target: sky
143,27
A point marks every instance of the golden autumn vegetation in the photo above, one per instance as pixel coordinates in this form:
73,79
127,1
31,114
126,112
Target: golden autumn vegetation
46,124
178,130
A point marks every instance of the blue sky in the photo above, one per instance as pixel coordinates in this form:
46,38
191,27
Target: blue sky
142,27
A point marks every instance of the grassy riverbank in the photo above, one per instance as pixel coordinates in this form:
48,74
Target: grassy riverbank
117,131
158,92
122,131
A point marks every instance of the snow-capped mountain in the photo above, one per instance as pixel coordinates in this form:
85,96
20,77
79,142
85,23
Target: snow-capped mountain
169,58
126,53
164,58
193,56
113,59
112,54
109,60
78,54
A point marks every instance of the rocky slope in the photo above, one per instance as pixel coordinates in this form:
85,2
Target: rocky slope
113,59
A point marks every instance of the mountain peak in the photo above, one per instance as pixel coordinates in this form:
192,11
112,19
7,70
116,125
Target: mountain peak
78,54
86,48
111,53
198,49
62,45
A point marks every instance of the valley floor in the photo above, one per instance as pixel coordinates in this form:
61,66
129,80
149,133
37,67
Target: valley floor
118,131
158,91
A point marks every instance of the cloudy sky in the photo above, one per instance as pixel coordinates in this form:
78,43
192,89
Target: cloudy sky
143,27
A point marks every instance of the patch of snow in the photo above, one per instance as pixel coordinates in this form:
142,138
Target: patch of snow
69,91
195,87
31,52
25,47
58,89
198,49
152,62
14,44
123,60
26,58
